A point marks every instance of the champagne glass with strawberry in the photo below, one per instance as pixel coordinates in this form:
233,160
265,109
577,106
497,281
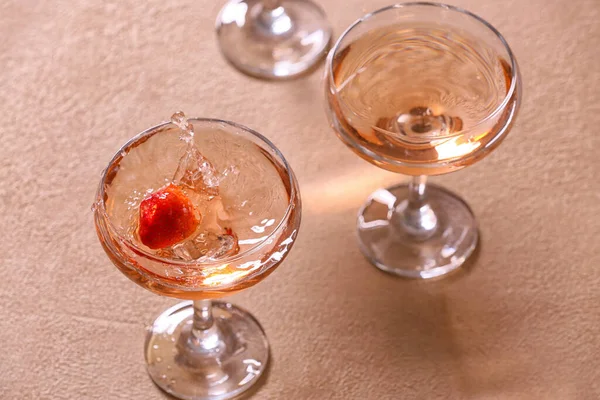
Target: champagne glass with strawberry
197,210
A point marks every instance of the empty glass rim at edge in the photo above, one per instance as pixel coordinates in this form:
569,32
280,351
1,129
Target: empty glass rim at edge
101,207
366,17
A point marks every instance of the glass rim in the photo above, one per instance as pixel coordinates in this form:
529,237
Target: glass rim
100,206
513,62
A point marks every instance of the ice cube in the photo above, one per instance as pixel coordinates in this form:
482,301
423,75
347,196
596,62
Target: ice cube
212,245
197,173
204,245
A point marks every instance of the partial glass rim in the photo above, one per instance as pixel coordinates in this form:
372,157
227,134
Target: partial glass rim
100,206
364,18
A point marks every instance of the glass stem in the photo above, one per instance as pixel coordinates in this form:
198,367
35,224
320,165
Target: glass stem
205,337
271,4
203,318
416,217
273,19
416,191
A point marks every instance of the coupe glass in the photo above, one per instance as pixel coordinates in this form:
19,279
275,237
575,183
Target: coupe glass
420,89
204,348
273,39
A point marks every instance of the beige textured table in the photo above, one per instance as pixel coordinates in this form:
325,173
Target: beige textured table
78,78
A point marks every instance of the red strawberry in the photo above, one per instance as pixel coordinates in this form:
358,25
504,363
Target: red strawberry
166,217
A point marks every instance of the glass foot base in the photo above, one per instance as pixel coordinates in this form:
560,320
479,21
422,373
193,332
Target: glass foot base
392,250
237,356
278,43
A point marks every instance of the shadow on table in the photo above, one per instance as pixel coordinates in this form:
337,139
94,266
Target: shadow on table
458,337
